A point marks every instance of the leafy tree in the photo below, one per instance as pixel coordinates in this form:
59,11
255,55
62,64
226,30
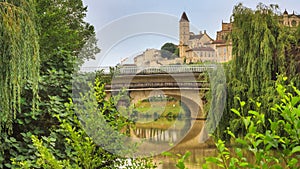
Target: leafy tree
62,26
269,148
262,48
169,50
54,30
69,145
19,61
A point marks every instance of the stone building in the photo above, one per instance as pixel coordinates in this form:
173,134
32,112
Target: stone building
291,20
201,47
194,47
223,43
152,57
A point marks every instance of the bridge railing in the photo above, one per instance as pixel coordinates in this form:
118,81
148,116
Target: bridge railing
152,69
158,85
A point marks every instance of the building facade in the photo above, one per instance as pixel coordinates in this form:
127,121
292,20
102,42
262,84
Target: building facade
223,43
201,47
194,47
152,57
290,20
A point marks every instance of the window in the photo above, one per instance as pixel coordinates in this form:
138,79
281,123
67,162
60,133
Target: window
294,23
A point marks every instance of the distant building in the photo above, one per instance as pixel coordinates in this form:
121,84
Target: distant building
152,57
201,47
290,20
223,43
194,47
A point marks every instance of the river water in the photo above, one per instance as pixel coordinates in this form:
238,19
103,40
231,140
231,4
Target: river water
175,134
182,135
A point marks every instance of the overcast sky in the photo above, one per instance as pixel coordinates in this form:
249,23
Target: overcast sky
126,28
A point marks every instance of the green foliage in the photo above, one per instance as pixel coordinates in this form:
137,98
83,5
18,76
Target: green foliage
268,147
46,158
19,60
169,50
216,98
262,49
52,136
180,159
62,26
68,145
169,47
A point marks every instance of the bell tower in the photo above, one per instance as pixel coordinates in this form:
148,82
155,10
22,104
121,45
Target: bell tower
184,34
184,29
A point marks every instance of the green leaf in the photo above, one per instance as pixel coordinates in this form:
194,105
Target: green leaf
213,159
167,154
295,149
295,100
241,141
293,162
230,133
236,112
255,113
244,164
239,152
180,165
242,103
186,155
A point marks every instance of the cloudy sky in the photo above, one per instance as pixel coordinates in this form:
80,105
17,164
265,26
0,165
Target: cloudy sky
126,28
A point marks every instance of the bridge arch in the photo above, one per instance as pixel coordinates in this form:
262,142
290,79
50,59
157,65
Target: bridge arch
189,97
195,133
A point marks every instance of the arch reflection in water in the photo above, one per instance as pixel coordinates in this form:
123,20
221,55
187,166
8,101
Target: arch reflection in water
169,125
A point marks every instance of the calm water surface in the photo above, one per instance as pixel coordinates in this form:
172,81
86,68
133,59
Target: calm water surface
184,134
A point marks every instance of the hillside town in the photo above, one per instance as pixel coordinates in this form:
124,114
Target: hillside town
201,47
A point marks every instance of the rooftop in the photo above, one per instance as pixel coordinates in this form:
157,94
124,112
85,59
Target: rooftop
184,17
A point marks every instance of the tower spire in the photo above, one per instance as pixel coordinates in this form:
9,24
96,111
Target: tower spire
184,17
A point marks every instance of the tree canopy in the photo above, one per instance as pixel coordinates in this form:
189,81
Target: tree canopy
169,50
62,26
262,49
19,61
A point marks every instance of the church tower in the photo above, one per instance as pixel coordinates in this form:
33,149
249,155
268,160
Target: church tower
184,29
184,34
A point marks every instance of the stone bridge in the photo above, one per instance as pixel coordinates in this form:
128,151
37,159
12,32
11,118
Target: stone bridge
182,86
183,83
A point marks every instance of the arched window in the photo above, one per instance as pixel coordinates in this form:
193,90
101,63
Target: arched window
294,23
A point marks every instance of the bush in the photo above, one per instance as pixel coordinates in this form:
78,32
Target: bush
270,149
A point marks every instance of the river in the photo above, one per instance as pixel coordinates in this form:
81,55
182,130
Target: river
182,135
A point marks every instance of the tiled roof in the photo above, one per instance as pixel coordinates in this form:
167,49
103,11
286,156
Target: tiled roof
219,42
196,36
202,49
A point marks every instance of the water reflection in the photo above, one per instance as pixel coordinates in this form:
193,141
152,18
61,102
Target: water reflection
195,161
184,134
177,129
174,129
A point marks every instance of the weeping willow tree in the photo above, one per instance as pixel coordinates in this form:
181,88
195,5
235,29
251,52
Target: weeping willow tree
19,57
262,49
255,39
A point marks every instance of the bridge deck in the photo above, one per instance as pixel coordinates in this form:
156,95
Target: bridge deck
155,85
152,69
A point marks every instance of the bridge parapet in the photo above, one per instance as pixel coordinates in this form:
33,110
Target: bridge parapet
157,85
130,70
